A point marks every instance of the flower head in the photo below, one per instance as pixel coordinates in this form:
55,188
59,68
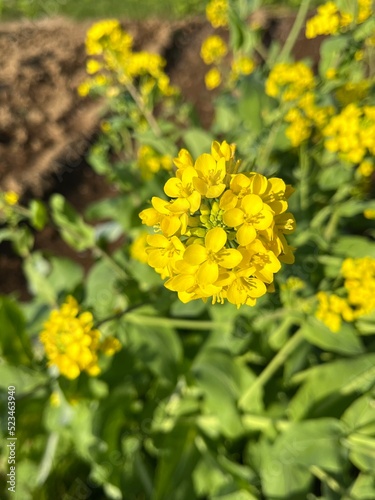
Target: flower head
71,343
221,234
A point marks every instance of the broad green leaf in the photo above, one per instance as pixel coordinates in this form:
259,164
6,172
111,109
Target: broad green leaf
65,274
280,479
354,246
74,231
36,269
326,385
219,376
360,416
334,176
197,141
14,343
343,342
39,215
361,451
363,487
158,347
23,379
178,459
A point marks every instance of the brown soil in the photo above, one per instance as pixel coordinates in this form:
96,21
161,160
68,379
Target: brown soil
46,128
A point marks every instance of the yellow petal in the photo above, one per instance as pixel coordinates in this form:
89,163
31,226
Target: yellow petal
228,200
205,163
252,204
233,217
229,258
180,283
172,187
215,239
215,191
195,201
264,220
207,273
160,205
246,234
195,254
158,241
200,186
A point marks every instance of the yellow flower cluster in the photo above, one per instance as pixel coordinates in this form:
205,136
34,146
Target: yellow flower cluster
117,63
150,162
329,19
222,233
217,13
359,275
289,81
212,78
71,343
213,49
294,83
351,133
353,92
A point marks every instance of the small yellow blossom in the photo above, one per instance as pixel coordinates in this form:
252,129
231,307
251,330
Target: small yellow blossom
70,341
217,13
212,78
369,213
366,168
150,161
138,248
213,49
11,197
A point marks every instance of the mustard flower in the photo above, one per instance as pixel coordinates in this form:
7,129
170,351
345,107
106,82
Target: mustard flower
213,49
217,13
221,235
212,78
71,343
11,198
150,161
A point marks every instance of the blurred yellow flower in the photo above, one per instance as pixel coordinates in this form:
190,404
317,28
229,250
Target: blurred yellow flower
70,341
212,78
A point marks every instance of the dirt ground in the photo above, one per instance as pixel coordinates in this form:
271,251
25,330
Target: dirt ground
46,128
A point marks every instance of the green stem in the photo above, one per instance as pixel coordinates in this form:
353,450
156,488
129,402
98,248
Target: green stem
146,113
272,367
174,323
294,32
111,261
332,225
119,314
48,458
327,479
304,191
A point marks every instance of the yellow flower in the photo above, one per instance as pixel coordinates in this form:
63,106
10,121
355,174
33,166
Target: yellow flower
217,13
11,197
70,341
242,65
213,49
369,213
212,78
138,248
366,168
222,233
150,162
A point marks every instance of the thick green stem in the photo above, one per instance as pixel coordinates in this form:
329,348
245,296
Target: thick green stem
272,367
294,32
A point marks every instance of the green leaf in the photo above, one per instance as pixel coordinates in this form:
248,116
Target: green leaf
74,231
22,240
280,479
326,385
39,215
334,176
363,487
344,342
15,345
331,52
354,246
22,378
36,269
65,274
179,457
197,141
360,416
222,380
159,348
